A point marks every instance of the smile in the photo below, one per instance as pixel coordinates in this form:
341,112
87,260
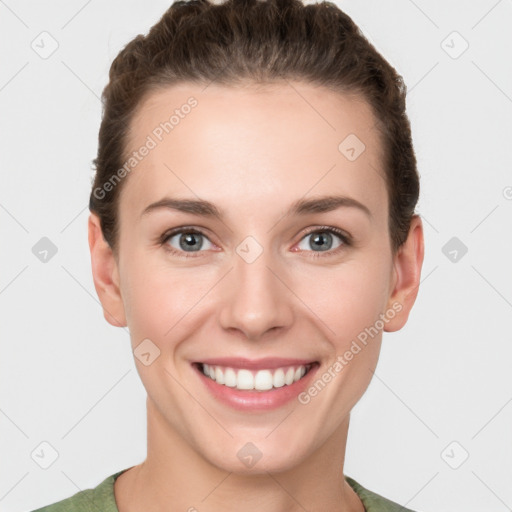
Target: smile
258,380
255,385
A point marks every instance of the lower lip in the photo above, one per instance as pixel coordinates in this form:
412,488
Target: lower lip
248,400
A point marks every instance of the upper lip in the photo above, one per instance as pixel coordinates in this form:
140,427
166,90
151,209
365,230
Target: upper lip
256,364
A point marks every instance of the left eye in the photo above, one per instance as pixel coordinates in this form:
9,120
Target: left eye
188,241
321,240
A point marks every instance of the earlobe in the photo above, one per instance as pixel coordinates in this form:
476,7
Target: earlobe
407,269
105,275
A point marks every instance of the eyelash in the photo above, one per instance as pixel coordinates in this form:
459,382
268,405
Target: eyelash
347,241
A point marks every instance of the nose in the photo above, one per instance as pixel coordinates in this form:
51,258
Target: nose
257,300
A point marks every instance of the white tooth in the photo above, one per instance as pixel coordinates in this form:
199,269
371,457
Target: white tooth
245,380
288,378
230,377
219,375
278,379
263,380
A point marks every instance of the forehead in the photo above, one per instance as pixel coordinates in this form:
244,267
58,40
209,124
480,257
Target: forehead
238,146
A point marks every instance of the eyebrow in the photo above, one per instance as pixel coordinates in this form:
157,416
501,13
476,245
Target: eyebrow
205,208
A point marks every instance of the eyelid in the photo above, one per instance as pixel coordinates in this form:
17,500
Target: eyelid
331,229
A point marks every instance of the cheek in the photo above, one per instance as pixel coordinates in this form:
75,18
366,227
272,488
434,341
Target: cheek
347,299
158,296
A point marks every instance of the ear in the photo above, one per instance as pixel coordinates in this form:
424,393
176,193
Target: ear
407,272
105,274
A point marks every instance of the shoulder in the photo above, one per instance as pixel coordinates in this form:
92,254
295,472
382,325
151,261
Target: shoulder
98,499
374,502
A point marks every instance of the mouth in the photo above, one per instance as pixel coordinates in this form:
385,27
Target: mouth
255,385
245,379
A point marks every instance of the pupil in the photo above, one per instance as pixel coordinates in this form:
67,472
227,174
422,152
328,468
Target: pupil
319,239
187,241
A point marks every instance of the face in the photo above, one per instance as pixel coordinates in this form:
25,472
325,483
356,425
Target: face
252,241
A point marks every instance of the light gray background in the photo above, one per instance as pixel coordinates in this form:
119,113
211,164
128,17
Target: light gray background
68,378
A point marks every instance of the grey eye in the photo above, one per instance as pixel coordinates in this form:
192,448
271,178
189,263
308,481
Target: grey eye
319,241
188,241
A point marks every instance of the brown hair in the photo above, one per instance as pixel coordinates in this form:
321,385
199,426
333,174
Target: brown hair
255,41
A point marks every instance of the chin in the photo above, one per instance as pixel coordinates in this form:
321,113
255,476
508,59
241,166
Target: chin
257,458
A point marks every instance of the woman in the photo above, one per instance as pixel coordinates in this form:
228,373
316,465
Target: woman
252,223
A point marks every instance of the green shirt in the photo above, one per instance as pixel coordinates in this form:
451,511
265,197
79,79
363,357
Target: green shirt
102,499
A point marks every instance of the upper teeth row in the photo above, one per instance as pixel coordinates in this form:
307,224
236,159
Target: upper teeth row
260,380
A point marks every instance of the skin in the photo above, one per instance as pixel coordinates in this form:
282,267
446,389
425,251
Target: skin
252,152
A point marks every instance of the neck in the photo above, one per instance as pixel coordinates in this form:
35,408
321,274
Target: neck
175,476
